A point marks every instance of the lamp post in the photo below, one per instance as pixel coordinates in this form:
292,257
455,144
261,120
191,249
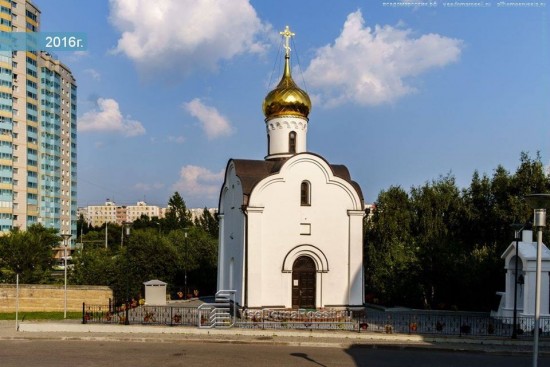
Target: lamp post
127,225
65,237
517,233
185,269
106,234
539,203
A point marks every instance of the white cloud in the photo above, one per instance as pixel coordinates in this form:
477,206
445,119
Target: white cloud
93,73
176,139
370,66
77,56
199,182
108,118
148,187
213,123
184,35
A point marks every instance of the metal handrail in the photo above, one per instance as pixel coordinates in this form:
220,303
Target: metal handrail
218,312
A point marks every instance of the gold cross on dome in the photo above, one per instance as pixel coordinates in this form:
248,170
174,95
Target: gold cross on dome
287,34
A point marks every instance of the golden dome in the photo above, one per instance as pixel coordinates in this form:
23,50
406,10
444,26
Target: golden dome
287,98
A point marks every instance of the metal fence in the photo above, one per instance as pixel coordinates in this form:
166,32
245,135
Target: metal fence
300,319
457,324
144,315
417,322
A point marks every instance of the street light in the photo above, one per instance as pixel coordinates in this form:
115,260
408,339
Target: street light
65,237
539,203
517,233
127,225
106,234
186,260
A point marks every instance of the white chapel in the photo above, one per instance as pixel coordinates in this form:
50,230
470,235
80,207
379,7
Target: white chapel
291,225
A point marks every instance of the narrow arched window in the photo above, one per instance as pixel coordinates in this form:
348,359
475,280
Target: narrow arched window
268,144
305,193
292,142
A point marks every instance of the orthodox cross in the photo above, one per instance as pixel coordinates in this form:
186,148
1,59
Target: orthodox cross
287,34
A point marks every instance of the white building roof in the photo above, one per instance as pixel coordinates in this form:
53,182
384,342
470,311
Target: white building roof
154,282
527,251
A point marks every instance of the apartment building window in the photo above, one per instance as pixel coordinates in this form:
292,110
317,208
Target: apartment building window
31,15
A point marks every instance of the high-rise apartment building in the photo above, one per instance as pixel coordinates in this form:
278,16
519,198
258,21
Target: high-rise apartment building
37,131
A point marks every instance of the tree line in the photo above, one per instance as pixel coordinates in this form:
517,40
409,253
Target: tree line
174,249
439,247
434,246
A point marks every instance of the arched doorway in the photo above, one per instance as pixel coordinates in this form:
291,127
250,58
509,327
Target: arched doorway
303,282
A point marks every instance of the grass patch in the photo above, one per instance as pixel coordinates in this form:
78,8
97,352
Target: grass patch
40,316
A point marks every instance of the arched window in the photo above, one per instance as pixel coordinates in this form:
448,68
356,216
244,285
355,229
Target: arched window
268,144
292,142
305,193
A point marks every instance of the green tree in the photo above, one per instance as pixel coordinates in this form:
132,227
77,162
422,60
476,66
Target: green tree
391,264
437,209
145,256
198,256
208,222
29,253
177,215
455,237
94,266
82,226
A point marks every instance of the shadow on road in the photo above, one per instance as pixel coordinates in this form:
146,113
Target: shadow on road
395,355
306,357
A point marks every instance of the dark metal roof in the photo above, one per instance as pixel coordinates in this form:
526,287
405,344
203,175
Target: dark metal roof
250,172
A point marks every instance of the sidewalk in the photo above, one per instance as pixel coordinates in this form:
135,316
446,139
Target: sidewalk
74,330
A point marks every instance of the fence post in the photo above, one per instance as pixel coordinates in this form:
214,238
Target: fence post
127,320
83,312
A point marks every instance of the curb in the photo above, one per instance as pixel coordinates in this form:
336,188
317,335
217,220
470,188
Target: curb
309,338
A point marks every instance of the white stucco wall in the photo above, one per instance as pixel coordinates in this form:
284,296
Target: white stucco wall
232,237
527,255
278,130
276,219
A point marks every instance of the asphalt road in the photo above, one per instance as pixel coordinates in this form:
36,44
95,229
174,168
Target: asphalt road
71,353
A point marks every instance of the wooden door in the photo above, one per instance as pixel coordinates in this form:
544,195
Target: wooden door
303,283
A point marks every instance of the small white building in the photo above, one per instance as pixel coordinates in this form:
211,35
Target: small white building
155,293
291,225
527,267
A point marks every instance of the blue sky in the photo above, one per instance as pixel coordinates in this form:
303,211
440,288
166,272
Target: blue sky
169,90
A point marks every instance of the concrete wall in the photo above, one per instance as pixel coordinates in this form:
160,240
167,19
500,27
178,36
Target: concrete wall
48,298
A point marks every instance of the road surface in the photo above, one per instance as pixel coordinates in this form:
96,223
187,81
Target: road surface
81,353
